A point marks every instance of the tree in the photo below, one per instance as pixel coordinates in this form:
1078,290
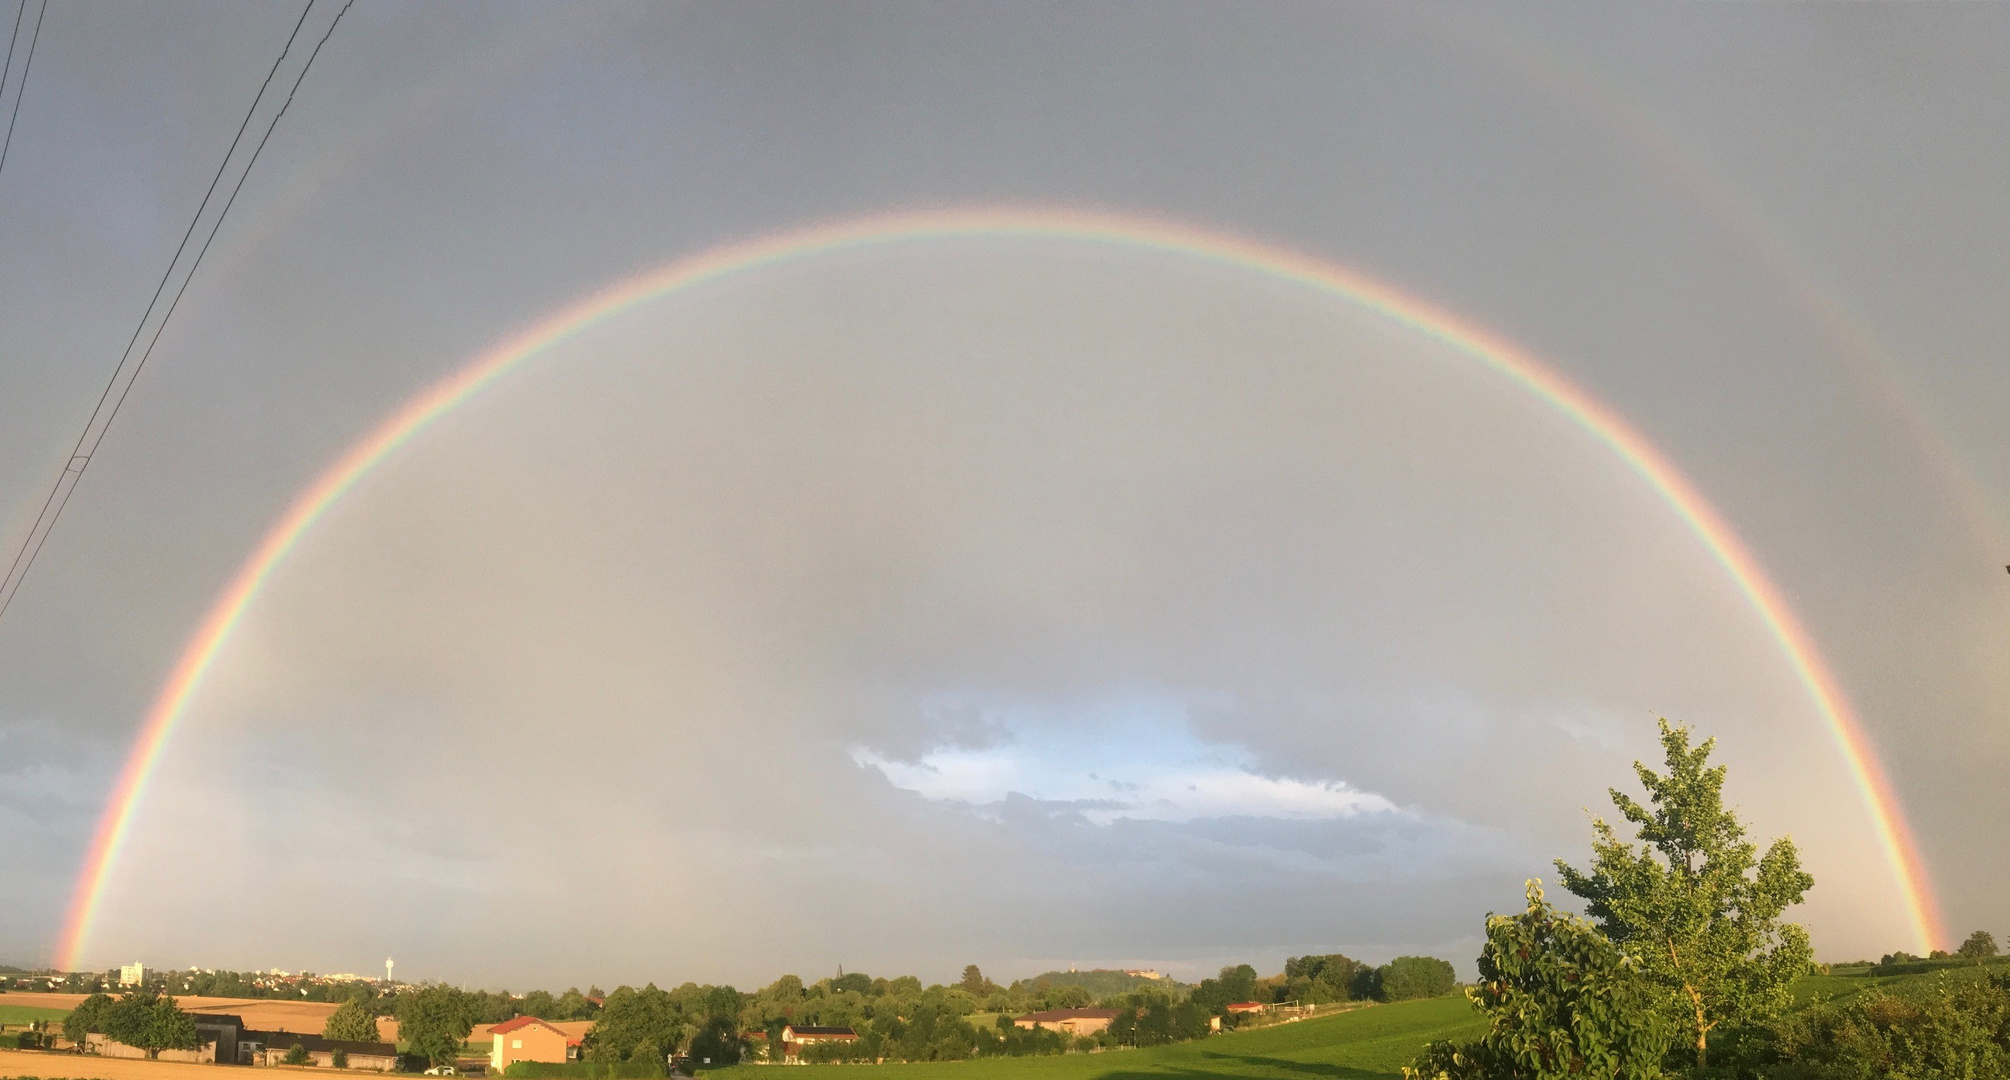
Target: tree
148,1021
435,1022
339,1059
87,1017
1694,905
353,1022
1560,999
974,983
297,1055
1408,977
645,1022
1980,946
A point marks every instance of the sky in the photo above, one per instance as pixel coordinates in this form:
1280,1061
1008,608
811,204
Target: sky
1018,601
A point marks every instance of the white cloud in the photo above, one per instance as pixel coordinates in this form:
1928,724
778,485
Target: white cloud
1131,760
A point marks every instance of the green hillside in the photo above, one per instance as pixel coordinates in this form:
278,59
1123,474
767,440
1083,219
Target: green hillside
1101,983
1374,1042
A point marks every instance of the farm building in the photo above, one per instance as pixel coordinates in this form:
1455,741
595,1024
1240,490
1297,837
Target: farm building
795,1038
1069,1021
271,1048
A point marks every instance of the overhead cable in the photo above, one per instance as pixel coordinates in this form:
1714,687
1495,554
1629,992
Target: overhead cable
7,69
134,358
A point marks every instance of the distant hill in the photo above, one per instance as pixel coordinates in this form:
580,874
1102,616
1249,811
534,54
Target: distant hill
1101,982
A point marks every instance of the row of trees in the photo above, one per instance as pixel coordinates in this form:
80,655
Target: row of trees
141,1019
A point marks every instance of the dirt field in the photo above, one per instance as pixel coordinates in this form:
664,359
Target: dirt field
80,1067
260,1014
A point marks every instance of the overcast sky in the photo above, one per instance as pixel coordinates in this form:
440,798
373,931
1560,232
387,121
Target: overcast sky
1018,602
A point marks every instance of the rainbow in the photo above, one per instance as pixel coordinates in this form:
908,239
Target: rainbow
170,705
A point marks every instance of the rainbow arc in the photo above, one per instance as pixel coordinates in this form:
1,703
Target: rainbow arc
170,705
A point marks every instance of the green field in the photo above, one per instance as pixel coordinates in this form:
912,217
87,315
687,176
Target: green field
21,1014
1366,1043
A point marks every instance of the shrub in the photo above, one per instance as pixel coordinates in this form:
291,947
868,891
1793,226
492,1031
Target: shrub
1408,977
299,1056
339,1059
1560,1001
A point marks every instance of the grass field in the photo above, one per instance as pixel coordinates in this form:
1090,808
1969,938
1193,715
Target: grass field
21,1014
1367,1044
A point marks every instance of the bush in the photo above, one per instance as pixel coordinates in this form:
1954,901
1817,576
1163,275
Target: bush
299,1056
1560,1002
339,1059
1957,1030
1409,977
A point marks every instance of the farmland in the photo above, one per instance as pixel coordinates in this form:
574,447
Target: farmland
1375,1042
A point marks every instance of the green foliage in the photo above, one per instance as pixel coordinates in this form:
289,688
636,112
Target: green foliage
88,1016
353,1022
1958,1031
1980,946
1100,983
151,1022
1560,1000
298,1055
571,1005
339,1059
434,1022
1318,980
1694,905
1409,977
717,1042
975,984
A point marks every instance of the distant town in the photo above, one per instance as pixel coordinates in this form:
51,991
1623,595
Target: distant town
375,1022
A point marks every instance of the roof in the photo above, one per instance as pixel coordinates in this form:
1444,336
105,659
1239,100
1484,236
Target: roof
824,1031
1244,1006
520,1023
1073,1014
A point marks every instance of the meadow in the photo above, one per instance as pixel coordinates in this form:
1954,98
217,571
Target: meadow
1366,1043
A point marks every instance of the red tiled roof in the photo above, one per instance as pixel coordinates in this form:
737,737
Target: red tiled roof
520,1023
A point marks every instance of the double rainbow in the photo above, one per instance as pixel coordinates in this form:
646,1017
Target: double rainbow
171,703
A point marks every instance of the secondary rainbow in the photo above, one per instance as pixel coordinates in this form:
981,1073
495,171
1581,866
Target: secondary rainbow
170,705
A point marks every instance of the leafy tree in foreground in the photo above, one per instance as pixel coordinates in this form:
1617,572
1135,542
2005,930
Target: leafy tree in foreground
435,1023
1408,977
353,1022
1560,1001
149,1021
87,1017
1695,905
1980,946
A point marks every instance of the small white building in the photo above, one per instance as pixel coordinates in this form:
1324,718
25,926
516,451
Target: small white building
134,974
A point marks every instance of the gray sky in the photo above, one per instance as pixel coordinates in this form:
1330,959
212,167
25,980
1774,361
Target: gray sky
1013,602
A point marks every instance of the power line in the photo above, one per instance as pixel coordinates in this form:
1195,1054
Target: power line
26,64
121,384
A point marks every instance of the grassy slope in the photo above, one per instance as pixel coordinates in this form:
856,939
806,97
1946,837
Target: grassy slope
1367,1044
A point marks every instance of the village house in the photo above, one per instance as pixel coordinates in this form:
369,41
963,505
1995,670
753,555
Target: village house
528,1038
794,1039
1069,1021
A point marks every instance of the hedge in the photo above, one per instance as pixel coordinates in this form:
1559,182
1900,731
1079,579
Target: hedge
585,1070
